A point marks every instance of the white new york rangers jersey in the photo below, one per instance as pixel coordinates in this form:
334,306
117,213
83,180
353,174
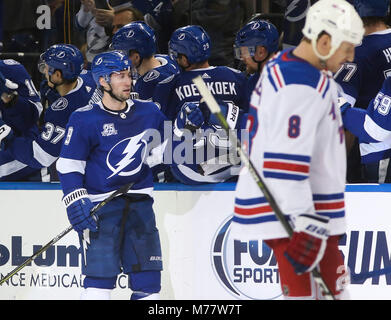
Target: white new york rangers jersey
297,146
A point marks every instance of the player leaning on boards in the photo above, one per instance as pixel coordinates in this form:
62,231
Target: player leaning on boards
298,147
106,148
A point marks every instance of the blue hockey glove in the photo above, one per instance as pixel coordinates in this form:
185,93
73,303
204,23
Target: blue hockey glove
308,243
48,93
190,117
79,207
343,105
6,135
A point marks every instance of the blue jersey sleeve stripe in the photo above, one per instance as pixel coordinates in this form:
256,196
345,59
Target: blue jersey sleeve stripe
333,196
286,156
271,79
251,201
284,176
333,215
255,220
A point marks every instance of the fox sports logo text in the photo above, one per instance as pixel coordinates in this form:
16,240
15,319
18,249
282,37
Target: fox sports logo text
247,269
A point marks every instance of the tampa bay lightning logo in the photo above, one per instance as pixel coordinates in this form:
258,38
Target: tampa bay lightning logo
127,156
297,10
246,268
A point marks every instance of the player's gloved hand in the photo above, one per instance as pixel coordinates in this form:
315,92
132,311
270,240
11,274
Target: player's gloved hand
7,89
343,105
47,92
6,135
190,117
78,207
308,243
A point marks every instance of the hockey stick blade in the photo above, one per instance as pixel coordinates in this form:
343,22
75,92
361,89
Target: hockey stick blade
124,189
215,109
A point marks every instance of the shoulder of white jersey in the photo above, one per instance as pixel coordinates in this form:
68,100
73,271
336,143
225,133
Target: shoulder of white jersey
285,70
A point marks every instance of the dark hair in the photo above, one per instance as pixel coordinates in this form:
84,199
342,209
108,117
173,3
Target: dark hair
138,16
372,21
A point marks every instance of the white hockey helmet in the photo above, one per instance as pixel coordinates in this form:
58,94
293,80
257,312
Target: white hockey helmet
336,17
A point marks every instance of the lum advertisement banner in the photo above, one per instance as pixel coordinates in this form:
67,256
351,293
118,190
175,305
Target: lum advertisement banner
201,258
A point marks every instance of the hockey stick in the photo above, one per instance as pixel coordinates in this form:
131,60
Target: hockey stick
124,189
215,109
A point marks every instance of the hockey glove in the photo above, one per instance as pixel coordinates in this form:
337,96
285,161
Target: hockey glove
343,105
6,135
48,93
79,208
7,89
308,243
190,117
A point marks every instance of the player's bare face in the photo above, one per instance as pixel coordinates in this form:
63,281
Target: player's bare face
121,84
345,53
251,65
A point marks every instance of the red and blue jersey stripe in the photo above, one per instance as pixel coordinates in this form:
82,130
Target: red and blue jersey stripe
253,210
286,166
330,205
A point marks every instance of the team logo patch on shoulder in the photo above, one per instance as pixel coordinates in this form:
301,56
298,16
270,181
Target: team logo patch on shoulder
152,75
109,130
59,104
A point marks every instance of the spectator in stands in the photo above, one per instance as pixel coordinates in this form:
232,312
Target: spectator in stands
96,21
221,19
158,14
124,15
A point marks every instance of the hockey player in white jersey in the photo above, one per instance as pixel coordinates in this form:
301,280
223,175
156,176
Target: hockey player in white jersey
297,145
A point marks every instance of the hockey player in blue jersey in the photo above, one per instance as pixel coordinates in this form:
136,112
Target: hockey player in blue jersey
362,79
106,148
372,127
179,100
255,44
190,47
203,151
138,40
20,103
40,147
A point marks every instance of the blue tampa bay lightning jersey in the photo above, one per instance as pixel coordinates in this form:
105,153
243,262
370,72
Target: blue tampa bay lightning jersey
363,78
106,149
211,156
225,84
24,113
145,85
40,148
373,126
